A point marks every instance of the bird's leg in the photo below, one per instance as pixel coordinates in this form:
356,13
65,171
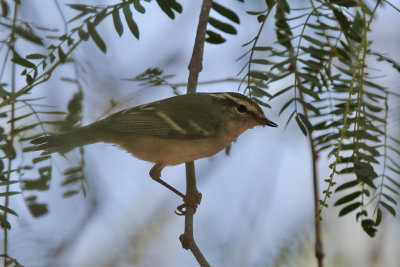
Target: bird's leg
155,174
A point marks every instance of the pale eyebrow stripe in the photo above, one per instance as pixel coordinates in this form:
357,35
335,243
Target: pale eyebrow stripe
173,124
221,96
242,102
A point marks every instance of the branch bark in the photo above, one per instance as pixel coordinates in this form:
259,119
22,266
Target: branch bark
319,250
195,66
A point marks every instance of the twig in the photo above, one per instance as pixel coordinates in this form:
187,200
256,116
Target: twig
12,122
319,250
195,66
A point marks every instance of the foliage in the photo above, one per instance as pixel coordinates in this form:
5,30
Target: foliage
322,53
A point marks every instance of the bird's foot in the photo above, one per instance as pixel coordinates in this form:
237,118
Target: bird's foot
191,201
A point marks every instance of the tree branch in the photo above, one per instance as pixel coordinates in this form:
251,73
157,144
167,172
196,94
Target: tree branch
319,250
195,66
11,134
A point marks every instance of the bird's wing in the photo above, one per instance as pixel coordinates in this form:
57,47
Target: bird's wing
144,120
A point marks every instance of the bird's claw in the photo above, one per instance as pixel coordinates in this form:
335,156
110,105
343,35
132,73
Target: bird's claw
192,202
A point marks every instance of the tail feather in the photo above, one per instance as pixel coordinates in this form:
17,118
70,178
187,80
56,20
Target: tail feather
65,142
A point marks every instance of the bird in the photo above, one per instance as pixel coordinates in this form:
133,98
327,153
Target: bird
167,132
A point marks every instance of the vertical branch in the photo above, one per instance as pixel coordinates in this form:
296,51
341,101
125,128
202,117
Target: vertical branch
196,62
11,134
319,250
195,66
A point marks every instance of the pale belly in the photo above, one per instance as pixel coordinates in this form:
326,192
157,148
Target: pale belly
172,151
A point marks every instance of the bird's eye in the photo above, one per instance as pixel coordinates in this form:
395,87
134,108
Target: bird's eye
241,108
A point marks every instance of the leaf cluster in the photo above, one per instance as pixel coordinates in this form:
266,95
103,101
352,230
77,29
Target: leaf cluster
322,54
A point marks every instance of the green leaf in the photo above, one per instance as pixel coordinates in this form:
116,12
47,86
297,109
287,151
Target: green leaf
71,193
138,6
258,101
37,209
214,38
100,16
388,208
73,170
378,217
262,48
61,55
390,198
4,223
345,3
260,61
72,179
258,92
4,8
39,159
168,5
348,198
8,210
79,7
368,227
349,208
346,185
35,56
83,35
282,91
117,21
306,122
301,125
8,194
314,41
286,105
225,27
227,13
96,37
129,20
23,62
258,75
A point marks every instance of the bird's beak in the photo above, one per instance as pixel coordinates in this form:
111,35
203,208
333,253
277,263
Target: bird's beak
265,121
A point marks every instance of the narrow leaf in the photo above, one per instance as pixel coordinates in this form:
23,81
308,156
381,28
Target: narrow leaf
35,56
306,122
117,21
348,198
23,62
346,185
4,223
129,20
214,38
349,208
61,55
225,27
138,6
8,210
227,13
301,125
388,208
96,37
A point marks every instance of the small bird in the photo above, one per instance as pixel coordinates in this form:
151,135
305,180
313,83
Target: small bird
167,132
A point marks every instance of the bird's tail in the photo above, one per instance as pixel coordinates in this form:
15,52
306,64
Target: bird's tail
65,142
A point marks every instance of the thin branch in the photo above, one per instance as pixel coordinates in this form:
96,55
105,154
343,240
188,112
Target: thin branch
12,125
195,66
319,250
40,79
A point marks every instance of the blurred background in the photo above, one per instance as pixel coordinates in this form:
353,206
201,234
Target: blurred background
257,207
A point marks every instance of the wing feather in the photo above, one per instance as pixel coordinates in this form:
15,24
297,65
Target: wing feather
147,121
